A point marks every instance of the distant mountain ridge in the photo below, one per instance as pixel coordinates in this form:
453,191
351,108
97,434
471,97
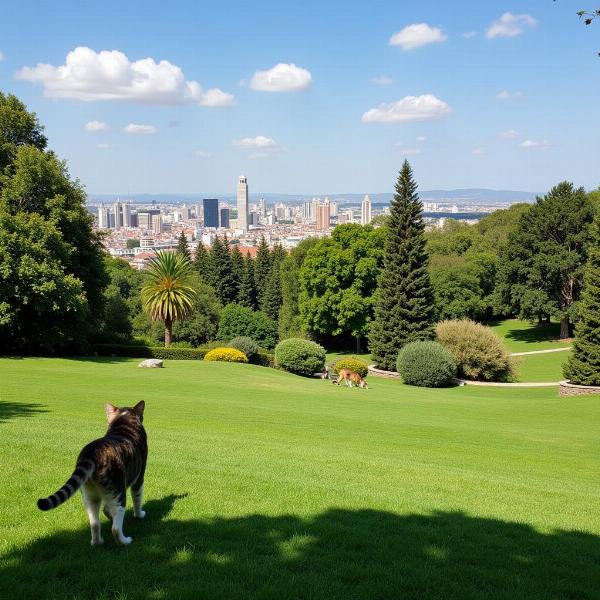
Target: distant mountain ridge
466,196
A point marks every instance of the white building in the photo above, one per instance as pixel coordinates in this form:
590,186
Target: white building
103,217
365,211
242,203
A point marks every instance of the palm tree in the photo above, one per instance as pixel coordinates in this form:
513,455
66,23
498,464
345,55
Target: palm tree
167,294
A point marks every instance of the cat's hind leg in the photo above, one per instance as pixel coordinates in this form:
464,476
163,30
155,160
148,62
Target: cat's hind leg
92,505
137,493
116,506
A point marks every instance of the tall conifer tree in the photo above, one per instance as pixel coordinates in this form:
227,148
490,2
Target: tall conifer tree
404,299
182,246
583,366
202,263
237,269
262,269
247,292
271,298
221,272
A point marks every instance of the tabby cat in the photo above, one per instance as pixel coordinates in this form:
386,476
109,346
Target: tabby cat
105,469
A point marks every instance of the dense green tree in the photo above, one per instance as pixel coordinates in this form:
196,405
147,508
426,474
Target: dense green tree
262,269
404,307
202,262
221,271
237,320
290,320
541,267
133,243
18,127
45,229
237,269
168,294
272,299
338,279
247,291
583,366
182,246
122,299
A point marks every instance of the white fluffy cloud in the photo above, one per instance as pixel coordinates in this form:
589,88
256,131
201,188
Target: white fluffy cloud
382,80
410,108
534,144
1,56
417,35
109,75
469,34
138,128
506,95
93,126
509,134
410,151
202,154
259,142
510,25
283,77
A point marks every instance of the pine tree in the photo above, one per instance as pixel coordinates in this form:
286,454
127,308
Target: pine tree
272,299
237,269
202,262
247,292
262,269
583,367
404,299
221,274
182,246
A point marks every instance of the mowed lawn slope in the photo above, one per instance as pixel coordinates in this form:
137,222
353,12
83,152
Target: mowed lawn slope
265,485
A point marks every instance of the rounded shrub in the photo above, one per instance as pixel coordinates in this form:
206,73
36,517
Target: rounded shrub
479,353
246,345
299,356
354,363
426,364
226,355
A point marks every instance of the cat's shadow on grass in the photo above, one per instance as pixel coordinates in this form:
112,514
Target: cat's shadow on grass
337,554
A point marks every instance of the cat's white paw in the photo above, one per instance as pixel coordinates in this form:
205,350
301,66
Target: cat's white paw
140,514
126,541
97,542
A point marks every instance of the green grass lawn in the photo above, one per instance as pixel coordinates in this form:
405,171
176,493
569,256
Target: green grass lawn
522,336
265,485
541,367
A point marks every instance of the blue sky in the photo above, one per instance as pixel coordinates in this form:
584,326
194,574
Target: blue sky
471,98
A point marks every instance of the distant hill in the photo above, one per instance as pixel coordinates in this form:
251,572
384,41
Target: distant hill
468,196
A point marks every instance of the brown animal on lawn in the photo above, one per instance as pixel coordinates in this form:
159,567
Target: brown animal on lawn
350,377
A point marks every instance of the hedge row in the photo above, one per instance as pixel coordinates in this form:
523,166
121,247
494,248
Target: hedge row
131,351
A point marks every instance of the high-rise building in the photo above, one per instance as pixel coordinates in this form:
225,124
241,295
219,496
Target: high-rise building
254,219
308,211
211,212
103,217
118,214
126,212
334,209
262,208
157,223
145,218
365,211
224,214
242,203
323,216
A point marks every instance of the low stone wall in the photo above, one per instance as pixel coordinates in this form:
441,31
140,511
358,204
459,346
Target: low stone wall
570,389
373,370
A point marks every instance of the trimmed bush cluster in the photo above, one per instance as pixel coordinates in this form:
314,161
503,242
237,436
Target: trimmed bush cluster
246,345
299,356
479,353
354,363
226,355
141,351
426,364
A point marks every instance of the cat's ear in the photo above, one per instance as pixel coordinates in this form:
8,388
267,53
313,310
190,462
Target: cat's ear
139,408
111,412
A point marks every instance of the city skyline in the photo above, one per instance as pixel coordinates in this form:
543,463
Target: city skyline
480,97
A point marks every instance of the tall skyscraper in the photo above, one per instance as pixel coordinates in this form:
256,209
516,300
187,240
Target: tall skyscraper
308,211
103,217
126,212
365,211
157,223
118,214
323,216
211,212
224,214
242,203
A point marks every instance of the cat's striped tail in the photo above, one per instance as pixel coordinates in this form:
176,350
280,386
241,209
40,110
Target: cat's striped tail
83,471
